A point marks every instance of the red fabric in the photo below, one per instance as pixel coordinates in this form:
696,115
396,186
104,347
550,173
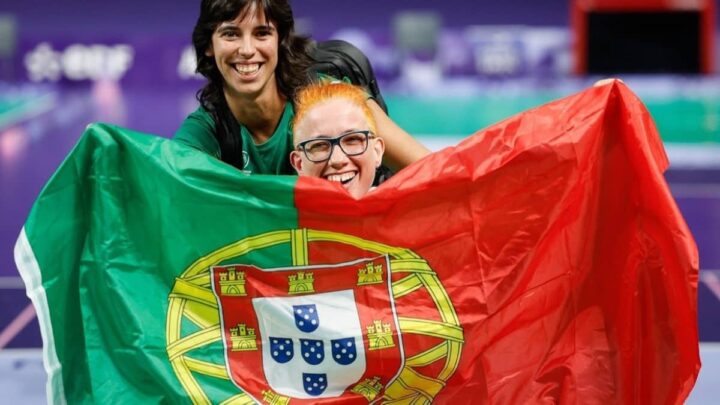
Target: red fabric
572,272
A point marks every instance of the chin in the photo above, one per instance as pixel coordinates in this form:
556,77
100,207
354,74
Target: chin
358,192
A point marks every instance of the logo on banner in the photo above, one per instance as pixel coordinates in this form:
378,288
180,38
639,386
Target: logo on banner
79,62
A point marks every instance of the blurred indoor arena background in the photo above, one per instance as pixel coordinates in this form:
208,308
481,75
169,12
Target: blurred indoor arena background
446,68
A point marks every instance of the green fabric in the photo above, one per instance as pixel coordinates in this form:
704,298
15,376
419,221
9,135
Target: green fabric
125,208
271,157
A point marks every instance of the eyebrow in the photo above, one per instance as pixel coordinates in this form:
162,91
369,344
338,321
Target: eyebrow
347,131
231,24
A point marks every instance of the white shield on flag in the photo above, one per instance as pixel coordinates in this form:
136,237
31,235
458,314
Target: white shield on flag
312,345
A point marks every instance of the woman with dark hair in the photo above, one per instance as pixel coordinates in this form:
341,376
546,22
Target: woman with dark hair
254,63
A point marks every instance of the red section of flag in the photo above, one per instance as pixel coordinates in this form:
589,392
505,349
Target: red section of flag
563,254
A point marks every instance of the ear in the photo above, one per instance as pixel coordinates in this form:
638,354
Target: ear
296,161
378,146
209,52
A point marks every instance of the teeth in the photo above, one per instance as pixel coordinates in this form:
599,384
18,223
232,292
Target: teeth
342,177
247,69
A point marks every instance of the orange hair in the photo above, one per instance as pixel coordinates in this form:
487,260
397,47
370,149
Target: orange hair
316,93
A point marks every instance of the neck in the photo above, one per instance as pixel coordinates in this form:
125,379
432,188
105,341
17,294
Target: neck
260,115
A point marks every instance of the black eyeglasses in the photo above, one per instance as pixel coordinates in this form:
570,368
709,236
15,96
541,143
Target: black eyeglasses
351,143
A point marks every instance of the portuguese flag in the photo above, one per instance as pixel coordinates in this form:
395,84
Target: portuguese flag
541,260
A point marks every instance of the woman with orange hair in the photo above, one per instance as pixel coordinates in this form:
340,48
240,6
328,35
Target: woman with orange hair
335,136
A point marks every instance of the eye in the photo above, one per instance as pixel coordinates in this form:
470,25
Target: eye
317,146
228,33
353,139
264,32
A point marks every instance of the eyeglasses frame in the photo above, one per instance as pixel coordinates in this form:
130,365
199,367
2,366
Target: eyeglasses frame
336,142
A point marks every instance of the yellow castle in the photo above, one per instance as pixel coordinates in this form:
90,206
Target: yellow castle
232,283
370,274
242,338
301,283
380,336
369,388
272,398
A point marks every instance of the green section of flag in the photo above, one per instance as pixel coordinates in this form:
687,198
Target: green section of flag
111,232
681,120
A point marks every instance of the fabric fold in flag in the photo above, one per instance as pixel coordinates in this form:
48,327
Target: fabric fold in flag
542,259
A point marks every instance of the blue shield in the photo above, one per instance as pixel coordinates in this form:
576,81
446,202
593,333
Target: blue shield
314,384
281,349
306,317
343,350
313,351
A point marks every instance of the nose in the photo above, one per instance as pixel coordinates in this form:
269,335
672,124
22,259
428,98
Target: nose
337,157
246,48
